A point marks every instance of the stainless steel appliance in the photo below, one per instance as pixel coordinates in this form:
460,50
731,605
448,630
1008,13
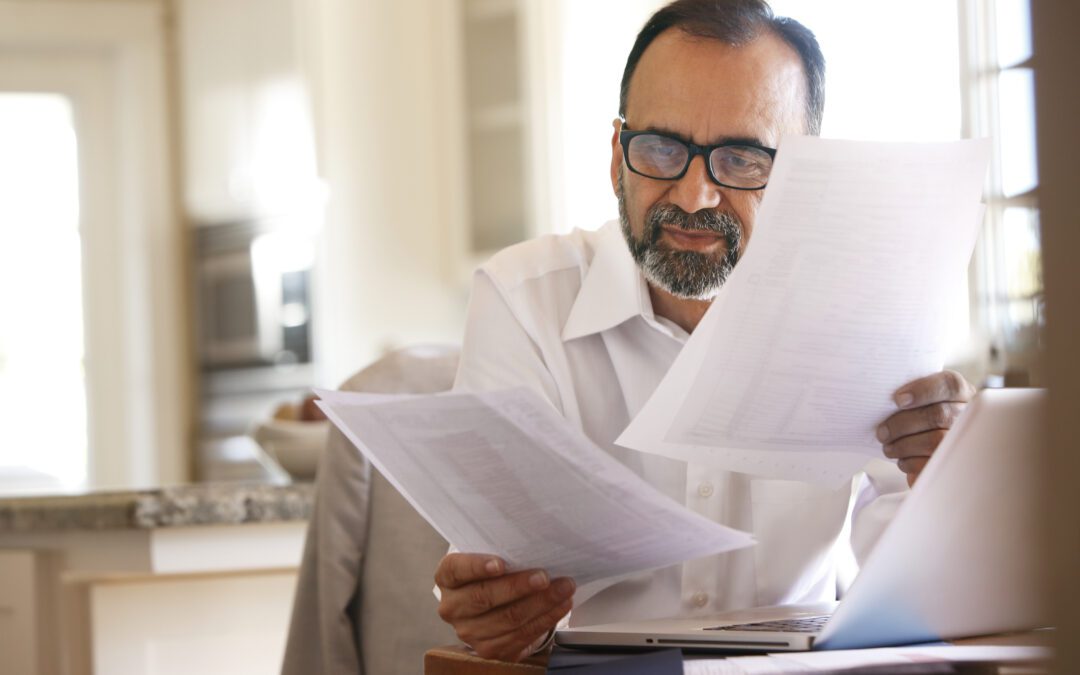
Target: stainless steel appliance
253,291
254,295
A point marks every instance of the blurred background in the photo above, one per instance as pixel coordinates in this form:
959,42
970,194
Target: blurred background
207,207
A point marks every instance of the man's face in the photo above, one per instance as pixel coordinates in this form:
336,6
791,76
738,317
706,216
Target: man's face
687,234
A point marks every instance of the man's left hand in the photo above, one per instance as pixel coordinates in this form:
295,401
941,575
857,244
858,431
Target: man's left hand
928,408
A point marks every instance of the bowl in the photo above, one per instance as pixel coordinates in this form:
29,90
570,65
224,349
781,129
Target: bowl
295,445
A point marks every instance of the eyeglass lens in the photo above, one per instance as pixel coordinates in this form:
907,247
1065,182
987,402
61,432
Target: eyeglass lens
740,166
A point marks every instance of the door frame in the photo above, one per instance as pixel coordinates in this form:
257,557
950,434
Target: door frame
109,57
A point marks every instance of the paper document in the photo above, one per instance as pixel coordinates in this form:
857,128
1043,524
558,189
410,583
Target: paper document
887,660
501,472
840,298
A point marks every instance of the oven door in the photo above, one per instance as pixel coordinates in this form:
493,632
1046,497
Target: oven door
241,311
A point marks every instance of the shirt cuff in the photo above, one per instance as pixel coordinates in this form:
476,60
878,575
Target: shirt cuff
544,643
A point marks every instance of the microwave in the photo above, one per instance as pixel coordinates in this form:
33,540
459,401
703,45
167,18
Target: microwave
253,295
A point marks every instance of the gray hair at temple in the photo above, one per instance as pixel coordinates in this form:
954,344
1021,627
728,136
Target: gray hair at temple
735,22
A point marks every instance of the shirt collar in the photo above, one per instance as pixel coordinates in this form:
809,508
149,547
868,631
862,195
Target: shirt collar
612,291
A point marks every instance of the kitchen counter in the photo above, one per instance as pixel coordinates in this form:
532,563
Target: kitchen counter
180,506
126,581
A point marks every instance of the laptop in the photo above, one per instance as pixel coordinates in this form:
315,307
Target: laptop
959,559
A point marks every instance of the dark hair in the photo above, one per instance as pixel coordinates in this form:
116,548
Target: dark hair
735,22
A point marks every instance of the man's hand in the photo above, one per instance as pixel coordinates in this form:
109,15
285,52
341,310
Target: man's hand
501,616
928,408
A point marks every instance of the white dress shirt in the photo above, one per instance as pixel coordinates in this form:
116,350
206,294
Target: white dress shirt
570,316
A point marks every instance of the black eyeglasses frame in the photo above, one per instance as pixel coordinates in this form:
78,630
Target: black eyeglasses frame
626,135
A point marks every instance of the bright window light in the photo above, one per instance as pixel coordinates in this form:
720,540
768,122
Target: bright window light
1017,134
892,71
883,85
43,438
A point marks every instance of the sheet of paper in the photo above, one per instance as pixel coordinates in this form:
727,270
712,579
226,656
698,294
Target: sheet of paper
501,472
840,298
832,661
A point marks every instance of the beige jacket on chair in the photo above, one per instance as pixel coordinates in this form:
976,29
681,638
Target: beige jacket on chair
363,600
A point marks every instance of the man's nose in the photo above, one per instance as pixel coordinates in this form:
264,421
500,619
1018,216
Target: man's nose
695,190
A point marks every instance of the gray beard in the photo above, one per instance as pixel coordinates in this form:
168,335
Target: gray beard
685,274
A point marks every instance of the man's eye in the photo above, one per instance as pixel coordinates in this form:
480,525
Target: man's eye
666,149
743,160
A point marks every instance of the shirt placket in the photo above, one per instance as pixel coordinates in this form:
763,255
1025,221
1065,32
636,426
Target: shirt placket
699,581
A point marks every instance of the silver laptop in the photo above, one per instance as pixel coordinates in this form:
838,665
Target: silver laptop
959,559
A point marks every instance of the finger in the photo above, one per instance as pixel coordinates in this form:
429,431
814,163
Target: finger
512,616
918,420
917,445
948,385
481,597
457,569
913,466
516,645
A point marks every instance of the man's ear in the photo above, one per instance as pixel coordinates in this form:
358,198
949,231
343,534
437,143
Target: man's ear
616,155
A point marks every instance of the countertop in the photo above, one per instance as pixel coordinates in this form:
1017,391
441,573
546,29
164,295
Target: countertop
181,506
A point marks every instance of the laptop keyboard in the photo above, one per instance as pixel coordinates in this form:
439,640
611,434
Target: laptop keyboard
810,624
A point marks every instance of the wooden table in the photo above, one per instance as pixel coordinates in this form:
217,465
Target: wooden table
456,660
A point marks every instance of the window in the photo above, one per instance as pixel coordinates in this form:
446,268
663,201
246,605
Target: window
913,71
999,93
882,85
43,439
96,391
941,71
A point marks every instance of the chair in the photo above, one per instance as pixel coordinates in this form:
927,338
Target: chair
363,600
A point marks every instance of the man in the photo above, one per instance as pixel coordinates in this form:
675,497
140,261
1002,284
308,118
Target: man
592,321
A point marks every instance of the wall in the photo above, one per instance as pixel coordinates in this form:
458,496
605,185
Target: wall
384,117
384,262
1057,51
591,70
138,383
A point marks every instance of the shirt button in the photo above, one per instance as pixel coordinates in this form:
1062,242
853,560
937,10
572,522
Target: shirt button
700,599
705,489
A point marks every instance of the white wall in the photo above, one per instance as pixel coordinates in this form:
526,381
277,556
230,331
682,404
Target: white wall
388,276
597,37
384,272
1058,104
109,58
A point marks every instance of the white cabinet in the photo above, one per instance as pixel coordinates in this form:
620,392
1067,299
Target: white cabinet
202,623
500,64
496,133
246,123
212,599
19,615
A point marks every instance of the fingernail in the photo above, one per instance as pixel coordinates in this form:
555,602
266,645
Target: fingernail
538,580
904,400
565,587
524,654
492,566
883,433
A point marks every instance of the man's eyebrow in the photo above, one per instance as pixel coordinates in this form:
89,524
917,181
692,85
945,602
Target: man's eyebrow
735,140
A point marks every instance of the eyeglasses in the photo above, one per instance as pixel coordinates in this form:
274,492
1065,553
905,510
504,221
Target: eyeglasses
735,164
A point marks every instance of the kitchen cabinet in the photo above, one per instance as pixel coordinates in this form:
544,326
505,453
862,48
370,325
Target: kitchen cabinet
500,60
196,579
248,143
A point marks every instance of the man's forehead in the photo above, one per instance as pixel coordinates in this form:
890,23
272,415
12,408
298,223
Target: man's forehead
708,90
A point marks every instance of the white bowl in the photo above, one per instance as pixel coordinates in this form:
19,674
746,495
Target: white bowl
295,445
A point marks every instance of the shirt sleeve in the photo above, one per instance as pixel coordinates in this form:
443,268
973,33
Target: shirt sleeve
881,491
498,350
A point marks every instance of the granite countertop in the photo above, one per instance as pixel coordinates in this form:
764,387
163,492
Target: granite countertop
181,506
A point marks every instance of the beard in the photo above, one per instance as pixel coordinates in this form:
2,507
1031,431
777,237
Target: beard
689,275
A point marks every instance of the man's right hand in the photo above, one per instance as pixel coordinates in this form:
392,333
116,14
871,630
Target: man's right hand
501,616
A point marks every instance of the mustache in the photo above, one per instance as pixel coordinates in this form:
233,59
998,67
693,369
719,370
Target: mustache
720,222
